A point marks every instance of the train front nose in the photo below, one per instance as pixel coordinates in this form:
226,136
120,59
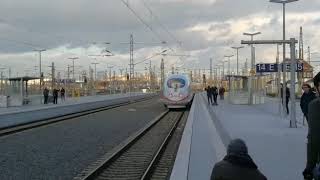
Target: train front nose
176,96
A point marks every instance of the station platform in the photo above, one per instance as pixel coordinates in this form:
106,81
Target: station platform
13,116
68,101
279,151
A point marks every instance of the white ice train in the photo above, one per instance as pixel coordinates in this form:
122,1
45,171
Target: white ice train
177,91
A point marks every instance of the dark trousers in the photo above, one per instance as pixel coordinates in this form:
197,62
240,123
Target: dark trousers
55,100
63,98
313,154
46,99
215,96
221,96
287,105
209,99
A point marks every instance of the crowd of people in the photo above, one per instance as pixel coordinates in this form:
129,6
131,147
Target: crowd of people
212,94
237,164
55,94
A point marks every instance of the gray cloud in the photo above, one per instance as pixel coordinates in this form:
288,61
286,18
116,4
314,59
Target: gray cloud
25,25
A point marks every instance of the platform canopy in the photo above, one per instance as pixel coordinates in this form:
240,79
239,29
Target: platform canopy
24,78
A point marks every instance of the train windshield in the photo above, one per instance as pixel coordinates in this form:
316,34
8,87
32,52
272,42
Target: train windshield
176,83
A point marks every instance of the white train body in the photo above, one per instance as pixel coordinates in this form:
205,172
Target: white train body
177,91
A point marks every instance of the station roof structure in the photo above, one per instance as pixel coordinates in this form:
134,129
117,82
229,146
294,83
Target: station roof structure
23,78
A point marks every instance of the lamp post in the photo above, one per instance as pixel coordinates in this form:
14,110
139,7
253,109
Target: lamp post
283,2
252,69
229,56
1,78
237,48
219,72
73,58
223,69
110,78
40,73
95,70
229,74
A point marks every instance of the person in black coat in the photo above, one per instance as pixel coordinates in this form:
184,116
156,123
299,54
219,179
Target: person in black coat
214,92
237,164
62,94
306,98
222,90
46,95
55,96
209,94
287,97
313,146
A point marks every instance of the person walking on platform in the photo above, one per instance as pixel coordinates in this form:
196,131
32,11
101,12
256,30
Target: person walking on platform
221,92
209,94
287,97
55,96
237,164
62,94
215,94
46,95
306,98
313,147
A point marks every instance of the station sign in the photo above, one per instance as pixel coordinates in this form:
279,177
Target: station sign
273,67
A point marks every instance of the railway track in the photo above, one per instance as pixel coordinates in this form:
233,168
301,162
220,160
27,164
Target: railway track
43,122
149,154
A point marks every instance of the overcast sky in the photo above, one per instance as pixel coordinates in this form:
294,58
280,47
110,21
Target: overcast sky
205,28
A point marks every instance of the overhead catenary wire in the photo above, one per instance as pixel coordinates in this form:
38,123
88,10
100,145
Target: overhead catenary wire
159,22
141,20
163,26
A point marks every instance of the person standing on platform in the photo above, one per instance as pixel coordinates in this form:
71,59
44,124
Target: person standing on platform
221,92
55,96
306,98
215,94
313,147
237,164
62,94
209,95
287,97
46,95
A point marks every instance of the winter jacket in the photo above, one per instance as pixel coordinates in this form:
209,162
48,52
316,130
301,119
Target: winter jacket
236,168
214,90
306,98
46,92
313,147
209,92
221,91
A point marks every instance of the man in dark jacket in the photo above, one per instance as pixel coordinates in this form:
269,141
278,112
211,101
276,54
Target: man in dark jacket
209,94
221,92
287,96
237,164
313,146
55,96
215,94
62,94
306,98
46,95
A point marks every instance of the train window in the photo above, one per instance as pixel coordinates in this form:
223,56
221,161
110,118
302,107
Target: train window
176,83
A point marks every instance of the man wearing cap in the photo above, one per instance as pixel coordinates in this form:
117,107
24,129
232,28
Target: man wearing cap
237,164
313,146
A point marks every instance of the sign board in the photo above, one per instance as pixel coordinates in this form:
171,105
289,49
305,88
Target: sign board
273,67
